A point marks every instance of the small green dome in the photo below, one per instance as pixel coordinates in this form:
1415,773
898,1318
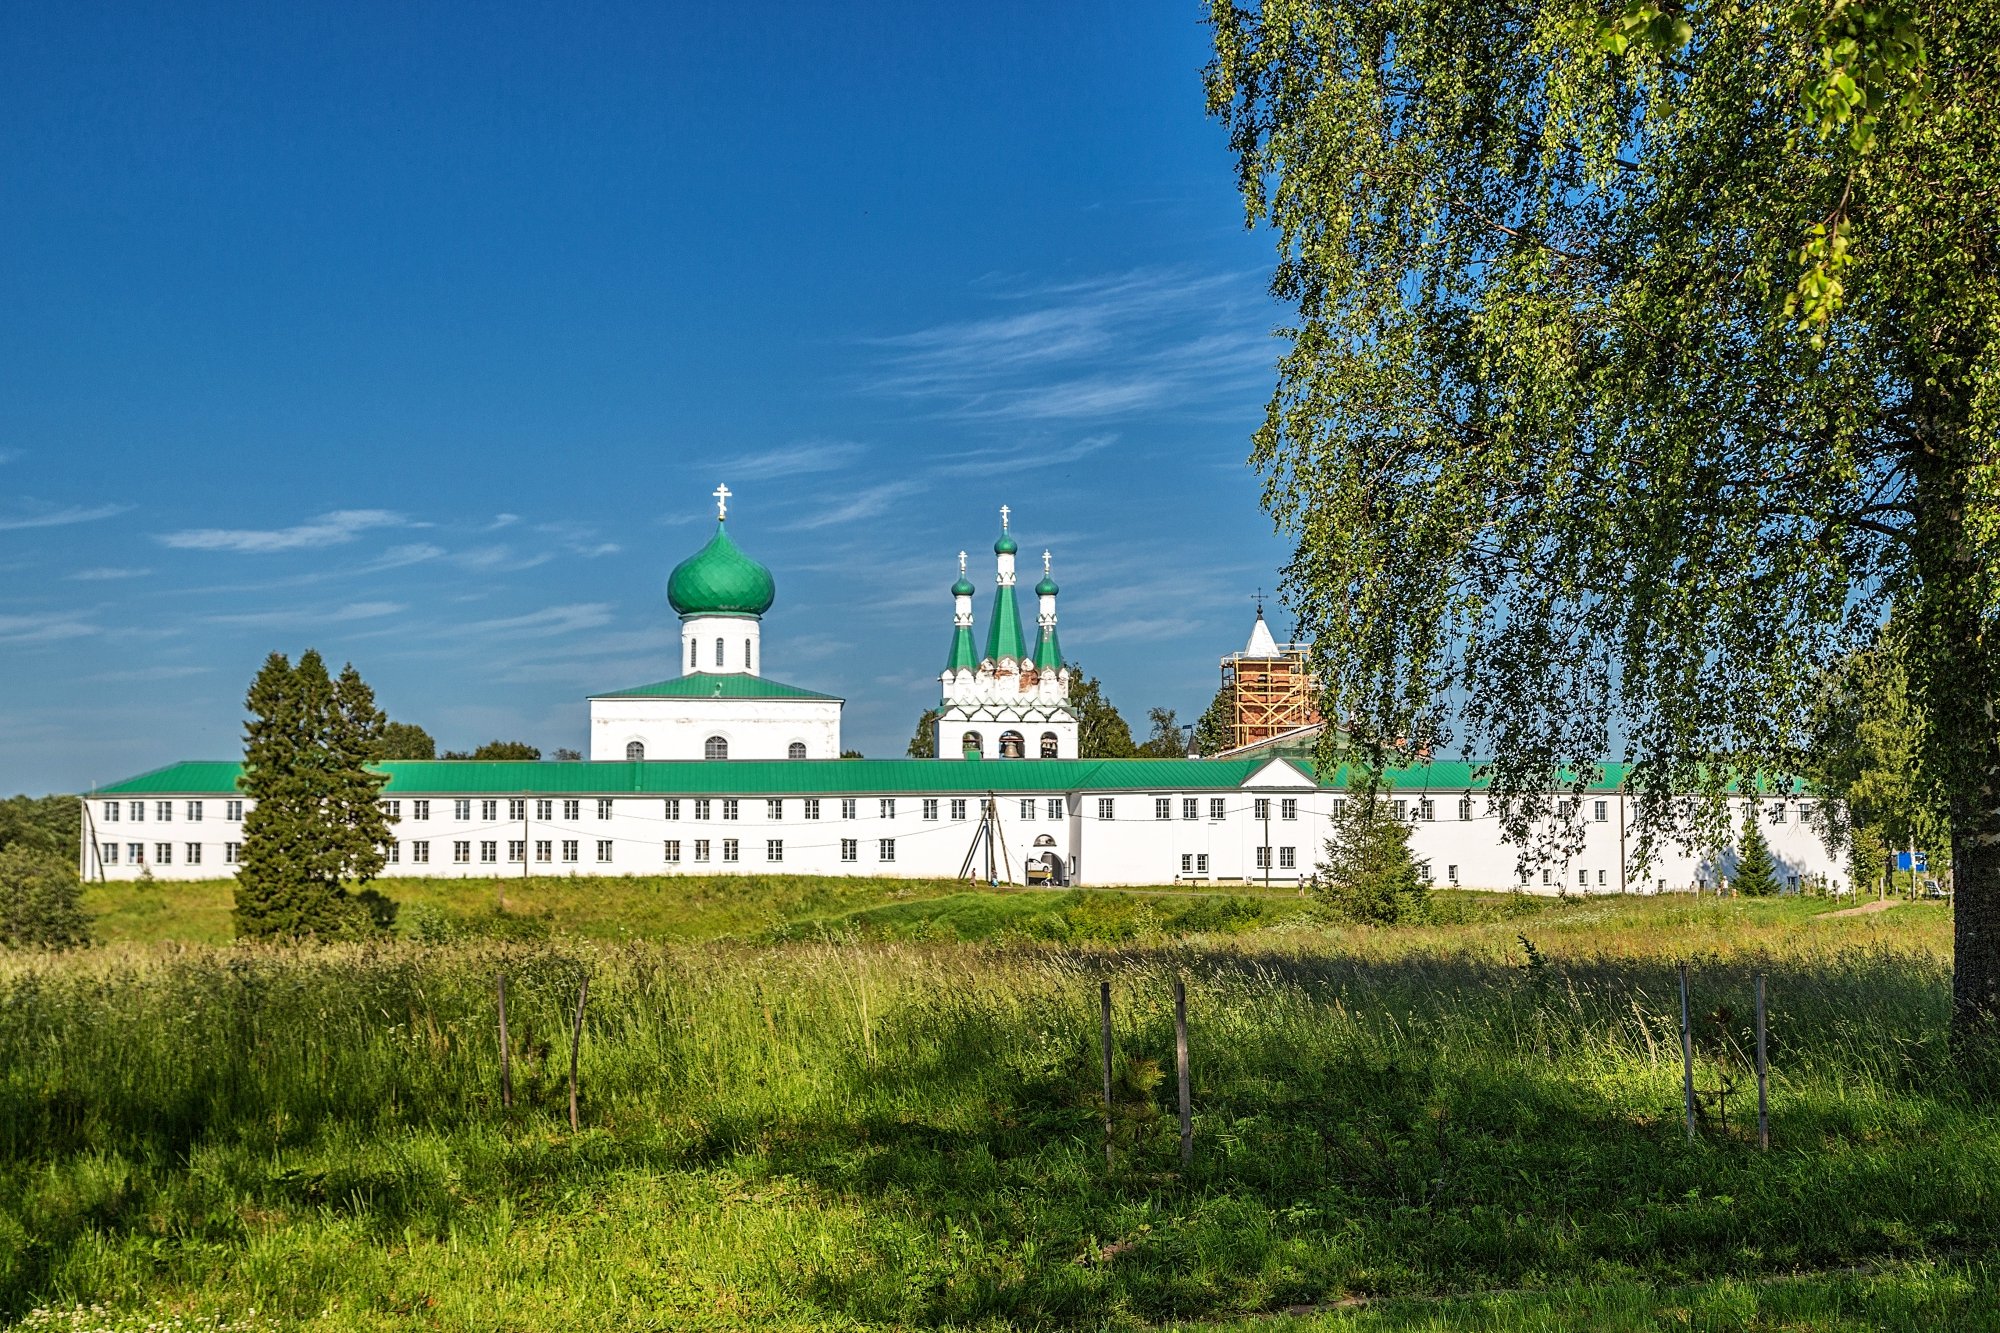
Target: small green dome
719,580
1047,587
1005,546
963,588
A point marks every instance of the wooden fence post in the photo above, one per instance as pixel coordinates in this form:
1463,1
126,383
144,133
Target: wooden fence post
1104,1027
1181,1071
1687,1055
506,1054
1763,1075
575,1046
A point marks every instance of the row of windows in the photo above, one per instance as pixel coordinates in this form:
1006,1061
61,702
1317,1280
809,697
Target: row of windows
1196,863
163,811
694,654
715,747
1218,807
774,849
163,853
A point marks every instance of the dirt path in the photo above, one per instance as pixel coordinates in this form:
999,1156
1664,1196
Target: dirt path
1880,905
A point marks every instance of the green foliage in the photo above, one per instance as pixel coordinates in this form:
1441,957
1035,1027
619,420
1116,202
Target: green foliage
41,900
1075,917
1101,732
1166,740
851,754
405,740
498,750
1756,869
1867,737
1549,434
315,826
923,745
1215,729
46,823
1369,875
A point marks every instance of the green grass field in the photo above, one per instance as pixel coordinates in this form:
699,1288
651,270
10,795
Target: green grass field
855,1104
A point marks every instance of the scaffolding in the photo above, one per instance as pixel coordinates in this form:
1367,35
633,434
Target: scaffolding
1271,695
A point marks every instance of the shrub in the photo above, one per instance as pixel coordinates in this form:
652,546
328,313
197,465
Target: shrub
41,901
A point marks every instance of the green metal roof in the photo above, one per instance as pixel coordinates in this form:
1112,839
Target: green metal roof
964,657
719,580
1048,653
744,777
1003,632
703,686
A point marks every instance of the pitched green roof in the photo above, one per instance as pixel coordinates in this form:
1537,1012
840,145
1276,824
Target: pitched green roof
719,580
964,657
703,686
1048,653
746,777
1003,633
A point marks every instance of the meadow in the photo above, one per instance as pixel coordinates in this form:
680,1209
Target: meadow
878,1105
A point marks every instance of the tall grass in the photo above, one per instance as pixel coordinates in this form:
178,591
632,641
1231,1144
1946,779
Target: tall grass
838,1134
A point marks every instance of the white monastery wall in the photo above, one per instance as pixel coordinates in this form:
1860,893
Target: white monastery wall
675,728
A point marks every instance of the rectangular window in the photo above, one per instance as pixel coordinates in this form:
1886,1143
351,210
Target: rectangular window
1288,808
461,853
888,807
395,852
850,849
1403,810
1218,807
1163,807
138,812
163,853
1545,877
194,853
673,849
1260,809
847,804
569,851
391,810
729,849
573,809
517,809
603,812
1465,807
886,849
111,812
1263,858
163,811
420,853
958,807
1201,863
517,850
194,812
701,849
812,807
775,808
1426,809
1339,806
731,807
489,853
1777,812
1190,807
1600,811
1583,879
1187,863
1105,806
108,853
1027,807
489,811
930,807
703,808
1451,874
1565,808
1288,858
461,809
673,808
1600,879
1055,804
774,849
545,810
418,810
604,851
135,852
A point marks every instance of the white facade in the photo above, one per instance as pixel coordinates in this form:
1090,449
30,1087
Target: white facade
1011,700
1216,822
719,728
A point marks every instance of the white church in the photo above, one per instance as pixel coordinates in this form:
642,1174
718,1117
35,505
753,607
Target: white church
721,769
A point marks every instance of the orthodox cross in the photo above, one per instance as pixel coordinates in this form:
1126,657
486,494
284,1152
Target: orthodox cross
1045,564
1004,511
722,494
1258,597
961,564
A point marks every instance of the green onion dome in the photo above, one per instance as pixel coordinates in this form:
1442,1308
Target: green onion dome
963,588
1005,546
1047,587
719,580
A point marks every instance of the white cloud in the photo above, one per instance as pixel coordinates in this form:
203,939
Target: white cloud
47,517
152,673
866,503
46,627
331,529
307,616
106,574
550,620
792,459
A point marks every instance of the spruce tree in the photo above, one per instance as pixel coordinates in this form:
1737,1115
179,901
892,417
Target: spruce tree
313,824
1756,869
923,745
1215,730
1369,874
41,900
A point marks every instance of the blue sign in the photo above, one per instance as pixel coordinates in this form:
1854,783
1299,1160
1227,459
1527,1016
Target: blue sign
1903,861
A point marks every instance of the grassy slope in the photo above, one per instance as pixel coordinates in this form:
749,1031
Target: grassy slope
907,1134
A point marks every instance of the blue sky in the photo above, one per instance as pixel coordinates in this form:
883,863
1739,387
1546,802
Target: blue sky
421,334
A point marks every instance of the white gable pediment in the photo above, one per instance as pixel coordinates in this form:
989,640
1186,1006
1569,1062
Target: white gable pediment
1280,773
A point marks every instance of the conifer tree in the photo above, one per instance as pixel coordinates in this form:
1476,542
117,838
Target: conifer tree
41,900
923,745
1756,868
1369,874
314,824
1215,730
